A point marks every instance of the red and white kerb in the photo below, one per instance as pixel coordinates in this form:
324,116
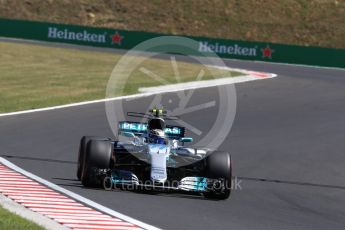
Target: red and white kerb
59,207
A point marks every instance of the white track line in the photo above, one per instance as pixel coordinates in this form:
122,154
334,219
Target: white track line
206,83
68,105
249,76
61,209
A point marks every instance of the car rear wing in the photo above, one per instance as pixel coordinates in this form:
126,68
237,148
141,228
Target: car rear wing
173,132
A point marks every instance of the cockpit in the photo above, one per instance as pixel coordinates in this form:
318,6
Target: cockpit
156,123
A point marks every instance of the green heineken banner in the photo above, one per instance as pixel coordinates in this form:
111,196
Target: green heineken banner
121,39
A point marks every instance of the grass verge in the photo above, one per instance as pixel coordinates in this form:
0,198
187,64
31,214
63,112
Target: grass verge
11,221
35,76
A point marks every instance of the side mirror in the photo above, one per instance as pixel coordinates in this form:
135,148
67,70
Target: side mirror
186,139
127,134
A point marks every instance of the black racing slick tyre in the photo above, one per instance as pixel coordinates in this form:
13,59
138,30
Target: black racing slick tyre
97,156
82,150
218,166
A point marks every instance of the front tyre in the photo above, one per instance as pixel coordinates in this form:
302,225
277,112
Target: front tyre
218,166
97,157
82,151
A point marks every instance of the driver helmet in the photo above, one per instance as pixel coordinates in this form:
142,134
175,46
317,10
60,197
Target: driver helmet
157,136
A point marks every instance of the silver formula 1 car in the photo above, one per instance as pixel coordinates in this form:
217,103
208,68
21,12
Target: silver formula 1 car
153,157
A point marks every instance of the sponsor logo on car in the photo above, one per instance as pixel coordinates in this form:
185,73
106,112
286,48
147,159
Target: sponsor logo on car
141,127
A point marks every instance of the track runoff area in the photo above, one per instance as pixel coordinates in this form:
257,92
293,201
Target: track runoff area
69,209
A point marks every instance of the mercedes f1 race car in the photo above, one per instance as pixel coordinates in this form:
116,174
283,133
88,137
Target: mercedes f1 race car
153,157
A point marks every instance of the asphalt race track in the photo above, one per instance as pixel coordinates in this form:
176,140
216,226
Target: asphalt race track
287,145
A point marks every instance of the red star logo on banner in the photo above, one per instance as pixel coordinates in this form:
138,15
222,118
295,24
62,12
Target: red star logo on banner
267,52
116,38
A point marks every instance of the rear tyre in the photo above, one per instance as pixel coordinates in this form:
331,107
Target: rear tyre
218,166
98,155
82,150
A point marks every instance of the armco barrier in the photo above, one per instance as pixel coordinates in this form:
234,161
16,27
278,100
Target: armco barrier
122,39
